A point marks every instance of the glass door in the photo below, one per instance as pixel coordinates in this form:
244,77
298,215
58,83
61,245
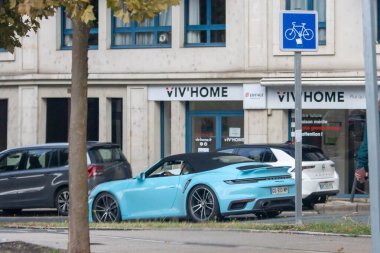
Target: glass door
211,131
203,137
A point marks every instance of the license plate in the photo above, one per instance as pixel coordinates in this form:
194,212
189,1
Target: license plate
326,186
280,190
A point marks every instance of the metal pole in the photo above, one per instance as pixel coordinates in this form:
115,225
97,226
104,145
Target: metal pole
298,135
373,133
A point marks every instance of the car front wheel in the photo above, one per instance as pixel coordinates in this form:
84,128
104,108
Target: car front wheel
62,199
105,208
202,204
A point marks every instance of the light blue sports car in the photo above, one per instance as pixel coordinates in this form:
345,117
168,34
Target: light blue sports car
200,186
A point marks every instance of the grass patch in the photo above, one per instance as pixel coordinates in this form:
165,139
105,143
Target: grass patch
341,226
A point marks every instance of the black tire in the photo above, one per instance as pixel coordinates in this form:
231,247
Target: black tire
202,204
62,201
267,214
12,211
321,199
308,204
105,208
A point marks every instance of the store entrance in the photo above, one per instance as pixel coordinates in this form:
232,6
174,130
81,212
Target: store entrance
209,130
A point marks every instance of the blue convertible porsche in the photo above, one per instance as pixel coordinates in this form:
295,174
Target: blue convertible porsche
200,186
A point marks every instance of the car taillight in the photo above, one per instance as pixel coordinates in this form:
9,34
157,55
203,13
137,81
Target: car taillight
95,170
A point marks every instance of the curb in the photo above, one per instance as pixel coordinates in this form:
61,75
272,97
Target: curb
341,206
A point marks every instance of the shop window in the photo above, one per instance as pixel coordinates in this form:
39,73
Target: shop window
117,121
150,33
58,118
67,30
205,23
93,119
3,123
317,5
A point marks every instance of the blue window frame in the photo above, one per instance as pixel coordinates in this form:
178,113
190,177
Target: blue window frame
219,124
151,33
205,23
67,30
317,5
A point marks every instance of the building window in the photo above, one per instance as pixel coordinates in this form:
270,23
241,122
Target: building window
117,121
3,123
317,5
205,23
58,119
150,33
67,30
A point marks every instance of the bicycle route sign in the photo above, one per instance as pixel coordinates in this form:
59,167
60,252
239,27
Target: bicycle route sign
299,31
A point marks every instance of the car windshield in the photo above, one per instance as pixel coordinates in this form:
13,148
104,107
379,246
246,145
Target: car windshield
310,154
105,154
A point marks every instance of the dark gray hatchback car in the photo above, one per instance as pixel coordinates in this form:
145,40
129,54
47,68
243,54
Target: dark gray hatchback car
37,176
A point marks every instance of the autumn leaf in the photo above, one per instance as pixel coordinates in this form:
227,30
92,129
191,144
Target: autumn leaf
88,14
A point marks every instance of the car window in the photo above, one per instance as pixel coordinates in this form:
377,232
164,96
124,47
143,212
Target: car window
230,150
186,169
39,158
231,159
313,154
256,154
63,157
10,162
309,154
169,168
105,154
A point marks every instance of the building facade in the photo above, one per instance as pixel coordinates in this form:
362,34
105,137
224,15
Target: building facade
205,74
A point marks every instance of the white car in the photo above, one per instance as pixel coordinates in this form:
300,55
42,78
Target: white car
319,178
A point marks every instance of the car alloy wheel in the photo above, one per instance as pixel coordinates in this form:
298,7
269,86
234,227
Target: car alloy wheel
62,200
105,209
202,204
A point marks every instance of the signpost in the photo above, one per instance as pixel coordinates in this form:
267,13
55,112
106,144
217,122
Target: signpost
298,32
373,130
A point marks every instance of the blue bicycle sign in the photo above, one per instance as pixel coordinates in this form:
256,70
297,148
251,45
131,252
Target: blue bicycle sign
299,31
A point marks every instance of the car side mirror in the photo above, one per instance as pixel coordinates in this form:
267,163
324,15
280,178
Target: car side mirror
141,176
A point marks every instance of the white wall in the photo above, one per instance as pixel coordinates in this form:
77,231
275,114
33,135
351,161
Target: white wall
252,46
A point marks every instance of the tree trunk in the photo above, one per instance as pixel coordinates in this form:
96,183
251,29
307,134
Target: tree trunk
79,239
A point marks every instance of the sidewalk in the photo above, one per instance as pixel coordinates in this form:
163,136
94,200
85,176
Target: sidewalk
343,204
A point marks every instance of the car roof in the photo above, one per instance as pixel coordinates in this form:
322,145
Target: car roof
204,161
90,145
282,146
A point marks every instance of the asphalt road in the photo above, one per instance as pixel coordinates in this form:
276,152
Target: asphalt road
199,241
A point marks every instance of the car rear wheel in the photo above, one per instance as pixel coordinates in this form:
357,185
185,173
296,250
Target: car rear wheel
202,204
62,199
105,209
